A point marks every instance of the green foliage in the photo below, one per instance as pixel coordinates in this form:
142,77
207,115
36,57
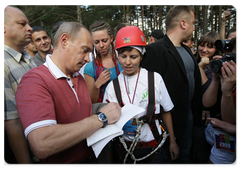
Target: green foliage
153,16
111,14
48,16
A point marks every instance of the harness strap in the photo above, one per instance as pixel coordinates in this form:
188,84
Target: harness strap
150,116
118,91
151,98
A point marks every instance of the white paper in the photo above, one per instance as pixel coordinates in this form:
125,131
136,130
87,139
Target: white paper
98,147
103,133
102,136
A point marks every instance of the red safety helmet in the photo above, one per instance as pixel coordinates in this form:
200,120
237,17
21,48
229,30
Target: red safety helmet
129,36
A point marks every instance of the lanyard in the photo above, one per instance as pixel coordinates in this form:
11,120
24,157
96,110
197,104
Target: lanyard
134,89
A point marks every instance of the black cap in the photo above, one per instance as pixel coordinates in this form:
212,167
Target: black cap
158,34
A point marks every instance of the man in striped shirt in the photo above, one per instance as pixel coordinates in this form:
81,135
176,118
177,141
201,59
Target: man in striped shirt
17,34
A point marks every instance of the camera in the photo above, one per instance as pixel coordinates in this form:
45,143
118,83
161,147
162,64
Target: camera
223,45
216,65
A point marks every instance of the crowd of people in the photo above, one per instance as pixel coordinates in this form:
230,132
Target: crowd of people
61,88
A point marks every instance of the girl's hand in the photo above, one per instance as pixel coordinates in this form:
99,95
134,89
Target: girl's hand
204,62
103,78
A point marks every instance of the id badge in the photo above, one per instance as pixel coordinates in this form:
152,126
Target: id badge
225,142
130,126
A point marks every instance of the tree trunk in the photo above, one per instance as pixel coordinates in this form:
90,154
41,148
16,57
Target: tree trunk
204,10
216,18
154,17
219,17
124,12
142,18
196,25
128,13
211,18
137,16
79,13
160,16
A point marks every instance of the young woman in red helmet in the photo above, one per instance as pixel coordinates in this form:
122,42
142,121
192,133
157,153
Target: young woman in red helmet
133,85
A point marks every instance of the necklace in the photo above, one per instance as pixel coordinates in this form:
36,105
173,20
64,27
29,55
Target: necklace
134,88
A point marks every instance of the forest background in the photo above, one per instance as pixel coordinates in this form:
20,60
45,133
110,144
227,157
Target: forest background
146,17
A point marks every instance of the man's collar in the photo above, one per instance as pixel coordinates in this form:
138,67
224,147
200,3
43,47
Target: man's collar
16,55
56,72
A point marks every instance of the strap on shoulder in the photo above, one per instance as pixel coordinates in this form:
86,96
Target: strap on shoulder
150,117
151,97
118,91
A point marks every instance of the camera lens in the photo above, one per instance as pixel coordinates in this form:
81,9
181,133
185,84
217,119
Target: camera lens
223,45
219,44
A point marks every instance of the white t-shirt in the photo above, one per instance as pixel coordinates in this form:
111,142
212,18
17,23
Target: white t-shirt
141,98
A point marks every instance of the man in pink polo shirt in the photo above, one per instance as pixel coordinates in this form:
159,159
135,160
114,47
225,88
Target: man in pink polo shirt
54,104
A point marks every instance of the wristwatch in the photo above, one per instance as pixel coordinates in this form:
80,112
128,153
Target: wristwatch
103,118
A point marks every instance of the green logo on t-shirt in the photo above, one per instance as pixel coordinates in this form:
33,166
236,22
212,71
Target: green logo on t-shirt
144,95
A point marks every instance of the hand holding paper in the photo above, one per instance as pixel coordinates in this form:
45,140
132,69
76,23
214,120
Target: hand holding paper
101,137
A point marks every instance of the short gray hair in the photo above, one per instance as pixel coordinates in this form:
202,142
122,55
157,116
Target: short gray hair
72,29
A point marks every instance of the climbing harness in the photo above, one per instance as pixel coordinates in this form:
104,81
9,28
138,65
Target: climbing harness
149,118
134,143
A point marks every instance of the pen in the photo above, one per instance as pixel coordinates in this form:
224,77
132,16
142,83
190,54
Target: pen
107,101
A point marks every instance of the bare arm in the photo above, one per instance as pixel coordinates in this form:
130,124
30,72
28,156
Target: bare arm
49,140
228,81
92,89
222,28
94,86
226,15
204,62
174,150
210,95
17,141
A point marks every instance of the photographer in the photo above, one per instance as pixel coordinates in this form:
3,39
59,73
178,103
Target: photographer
221,134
